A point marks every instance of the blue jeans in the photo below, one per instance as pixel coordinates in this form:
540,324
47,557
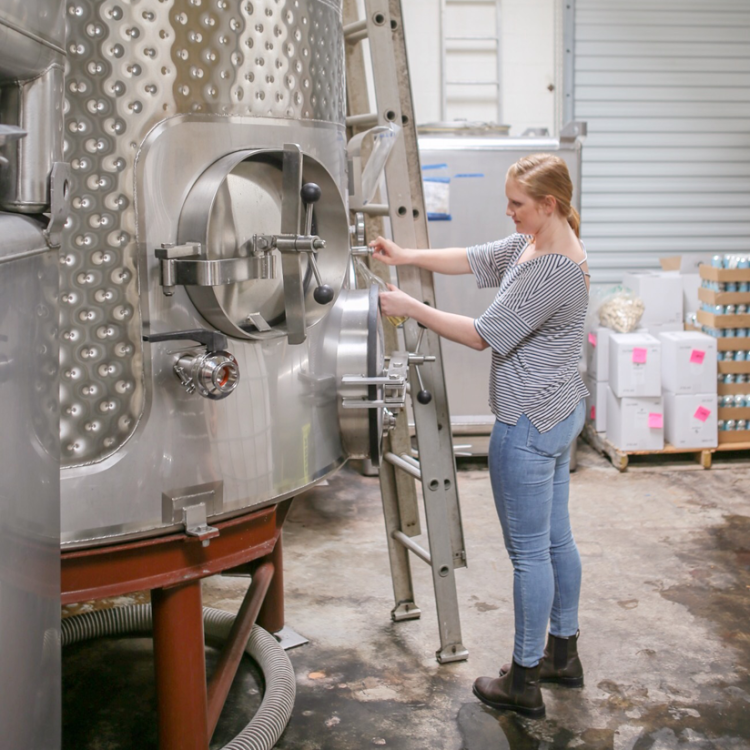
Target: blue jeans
530,474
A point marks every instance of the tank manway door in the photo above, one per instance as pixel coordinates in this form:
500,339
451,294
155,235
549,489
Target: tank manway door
262,244
372,388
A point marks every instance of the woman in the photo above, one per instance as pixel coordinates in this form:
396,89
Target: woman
535,329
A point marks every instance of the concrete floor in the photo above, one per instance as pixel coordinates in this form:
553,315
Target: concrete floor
665,627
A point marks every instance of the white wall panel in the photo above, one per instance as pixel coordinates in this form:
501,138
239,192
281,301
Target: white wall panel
528,62
665,88
659,65
635,47
617,185
665,215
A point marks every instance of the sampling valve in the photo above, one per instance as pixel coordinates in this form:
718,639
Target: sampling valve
213,373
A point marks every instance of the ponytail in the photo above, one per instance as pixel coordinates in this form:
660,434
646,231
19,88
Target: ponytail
575,221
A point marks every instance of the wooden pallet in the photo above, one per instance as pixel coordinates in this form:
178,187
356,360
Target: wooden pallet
598,441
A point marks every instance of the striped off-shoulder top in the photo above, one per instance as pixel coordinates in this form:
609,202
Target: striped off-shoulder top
535,329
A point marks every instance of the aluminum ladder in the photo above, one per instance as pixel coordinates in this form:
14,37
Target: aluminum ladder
386,68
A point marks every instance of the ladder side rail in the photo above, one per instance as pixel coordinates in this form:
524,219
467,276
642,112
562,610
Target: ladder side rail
405,607
420,283
358,104
432,422
397,490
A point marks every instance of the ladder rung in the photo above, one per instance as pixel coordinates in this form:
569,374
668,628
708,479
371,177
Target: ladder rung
369,120
407,542
355,32
376,209
411,460
471,39
472,83
406,463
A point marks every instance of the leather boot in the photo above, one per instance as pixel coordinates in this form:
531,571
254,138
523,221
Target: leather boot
518,690
560,664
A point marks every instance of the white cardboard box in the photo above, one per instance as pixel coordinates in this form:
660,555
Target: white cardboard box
657,328
661,292
688,362
597,353
635,424
596,403
691,283
690,420
634,364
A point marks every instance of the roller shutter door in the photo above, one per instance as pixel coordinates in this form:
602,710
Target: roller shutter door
665,88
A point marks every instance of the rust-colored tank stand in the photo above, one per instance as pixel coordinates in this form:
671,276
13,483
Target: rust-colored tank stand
172,568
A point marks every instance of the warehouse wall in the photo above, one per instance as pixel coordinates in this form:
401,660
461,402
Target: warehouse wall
529,50
664,87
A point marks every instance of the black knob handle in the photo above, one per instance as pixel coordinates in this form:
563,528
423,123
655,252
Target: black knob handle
323,295
311,192
424,397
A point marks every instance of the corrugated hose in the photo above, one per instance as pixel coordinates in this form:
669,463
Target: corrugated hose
275,710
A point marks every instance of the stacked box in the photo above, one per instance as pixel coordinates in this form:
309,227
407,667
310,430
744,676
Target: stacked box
634,364
662,294
597,376
725,301
635,423
635,414
689,382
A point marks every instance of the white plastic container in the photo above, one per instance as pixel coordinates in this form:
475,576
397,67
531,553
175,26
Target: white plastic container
635,423
634,364
661,292
597,353
688,362
690,420
596,403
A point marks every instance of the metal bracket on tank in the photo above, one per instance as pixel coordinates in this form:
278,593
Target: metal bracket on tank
191,506
196,524
392,385
59,189
187,265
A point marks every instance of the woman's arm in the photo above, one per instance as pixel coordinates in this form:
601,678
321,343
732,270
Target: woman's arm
458,328
450,260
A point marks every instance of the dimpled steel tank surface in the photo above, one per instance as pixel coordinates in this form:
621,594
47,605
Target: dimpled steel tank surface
184,122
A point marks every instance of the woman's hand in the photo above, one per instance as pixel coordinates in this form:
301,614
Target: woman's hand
395,303
459,328
389,252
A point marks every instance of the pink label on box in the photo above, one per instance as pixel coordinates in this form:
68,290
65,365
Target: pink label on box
592,339
593,412
639,355
655,421
702,413
697,356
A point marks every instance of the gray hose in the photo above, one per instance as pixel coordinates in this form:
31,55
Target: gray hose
275,710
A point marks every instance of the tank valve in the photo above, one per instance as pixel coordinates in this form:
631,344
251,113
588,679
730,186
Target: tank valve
213,373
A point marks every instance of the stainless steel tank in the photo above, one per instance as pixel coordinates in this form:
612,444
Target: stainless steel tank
31,59
195,130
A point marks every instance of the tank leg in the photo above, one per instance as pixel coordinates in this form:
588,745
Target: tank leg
179,656
271,616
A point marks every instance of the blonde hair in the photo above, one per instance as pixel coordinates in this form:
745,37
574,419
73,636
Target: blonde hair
541,175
